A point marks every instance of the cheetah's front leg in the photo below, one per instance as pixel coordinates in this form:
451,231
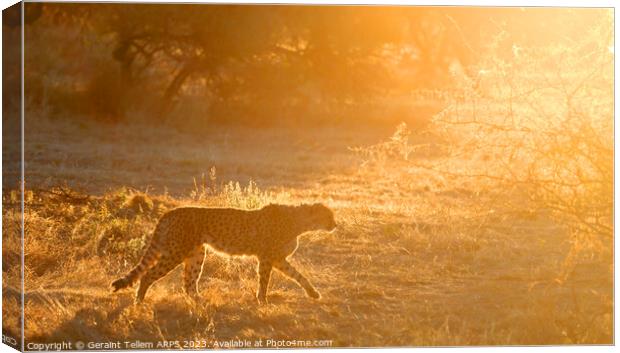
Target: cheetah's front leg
288,269
192,270
264,273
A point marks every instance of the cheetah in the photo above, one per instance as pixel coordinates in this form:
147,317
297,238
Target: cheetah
270,234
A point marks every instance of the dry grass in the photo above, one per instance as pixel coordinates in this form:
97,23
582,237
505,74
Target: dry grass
416,261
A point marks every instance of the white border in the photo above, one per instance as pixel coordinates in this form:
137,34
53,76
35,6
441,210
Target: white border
483,3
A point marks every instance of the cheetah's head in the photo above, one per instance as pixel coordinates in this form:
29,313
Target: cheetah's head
318,216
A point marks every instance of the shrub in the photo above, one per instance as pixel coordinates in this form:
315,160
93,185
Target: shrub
231,194
540,127
528,135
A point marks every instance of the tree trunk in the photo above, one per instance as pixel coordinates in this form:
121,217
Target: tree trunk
173,88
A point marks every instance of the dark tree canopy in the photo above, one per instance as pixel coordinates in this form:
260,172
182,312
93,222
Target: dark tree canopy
243,61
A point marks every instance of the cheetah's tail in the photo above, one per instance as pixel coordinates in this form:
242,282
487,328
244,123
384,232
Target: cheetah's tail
149,259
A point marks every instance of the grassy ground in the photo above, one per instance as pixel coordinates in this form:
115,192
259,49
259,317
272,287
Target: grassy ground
413,262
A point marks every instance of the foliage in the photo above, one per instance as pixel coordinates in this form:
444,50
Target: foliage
257,64
540,126
230,194
530,135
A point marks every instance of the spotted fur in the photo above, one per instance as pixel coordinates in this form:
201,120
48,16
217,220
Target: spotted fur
270,234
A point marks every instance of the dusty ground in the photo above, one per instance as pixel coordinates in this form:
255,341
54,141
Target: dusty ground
413,263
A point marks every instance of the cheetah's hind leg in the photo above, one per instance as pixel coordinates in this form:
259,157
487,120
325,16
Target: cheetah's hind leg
162,268
192,270
286,268
264,274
